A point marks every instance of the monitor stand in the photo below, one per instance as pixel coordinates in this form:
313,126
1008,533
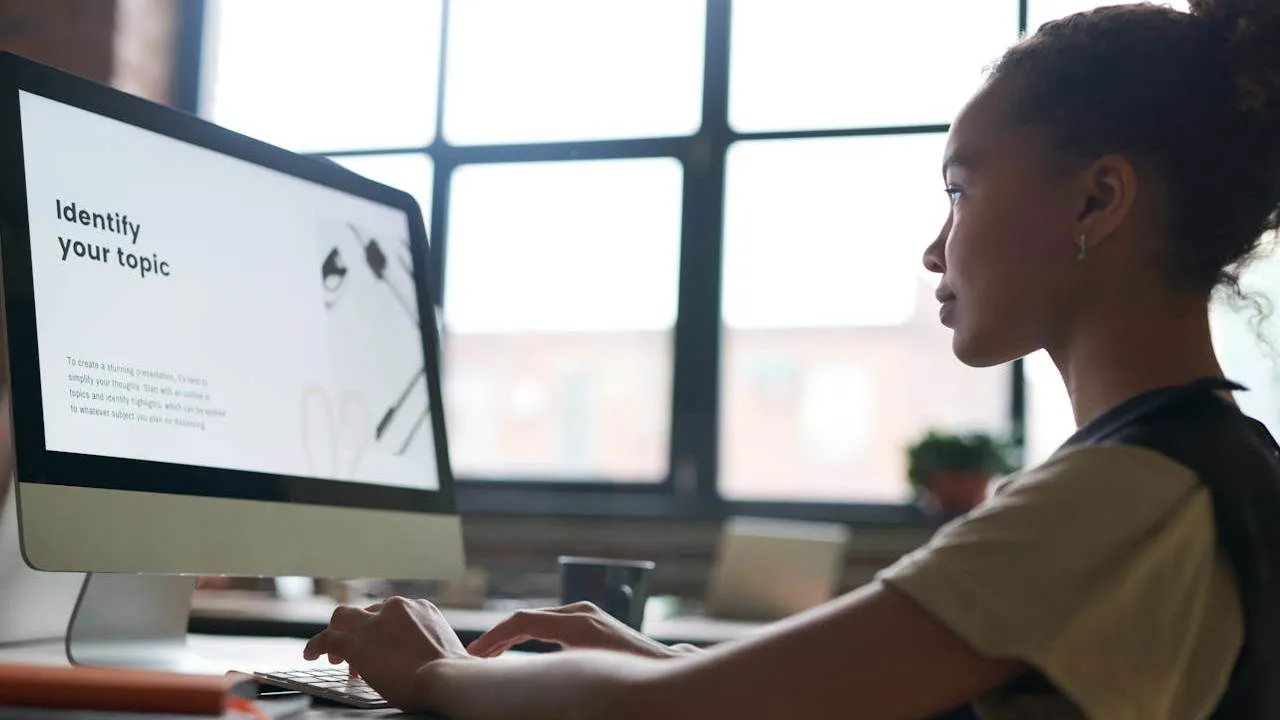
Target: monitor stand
136,621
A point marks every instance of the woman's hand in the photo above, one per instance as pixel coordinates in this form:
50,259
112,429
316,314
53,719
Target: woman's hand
388,644
580,625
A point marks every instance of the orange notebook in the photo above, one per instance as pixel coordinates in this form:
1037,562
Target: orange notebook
91,688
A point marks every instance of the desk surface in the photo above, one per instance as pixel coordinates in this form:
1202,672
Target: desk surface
232,653
223,609
248,613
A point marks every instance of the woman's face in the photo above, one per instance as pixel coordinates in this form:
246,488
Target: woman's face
1007,252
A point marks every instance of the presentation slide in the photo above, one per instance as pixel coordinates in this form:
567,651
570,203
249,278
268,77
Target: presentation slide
194,308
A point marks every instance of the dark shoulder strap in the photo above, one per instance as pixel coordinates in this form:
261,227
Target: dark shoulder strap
1138,409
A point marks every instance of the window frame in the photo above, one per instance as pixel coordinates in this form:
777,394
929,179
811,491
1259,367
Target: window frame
690,490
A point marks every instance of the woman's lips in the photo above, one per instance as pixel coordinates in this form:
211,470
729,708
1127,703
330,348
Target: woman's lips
946,308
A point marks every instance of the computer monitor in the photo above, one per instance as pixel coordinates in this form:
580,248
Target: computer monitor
223,354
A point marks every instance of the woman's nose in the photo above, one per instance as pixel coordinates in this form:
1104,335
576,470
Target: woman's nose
933,255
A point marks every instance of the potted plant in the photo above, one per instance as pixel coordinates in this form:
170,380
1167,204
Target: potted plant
950,473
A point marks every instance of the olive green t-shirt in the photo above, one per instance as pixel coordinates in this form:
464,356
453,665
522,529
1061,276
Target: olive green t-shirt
1100,570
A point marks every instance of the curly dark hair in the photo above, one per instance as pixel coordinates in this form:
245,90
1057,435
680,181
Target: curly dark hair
1192,99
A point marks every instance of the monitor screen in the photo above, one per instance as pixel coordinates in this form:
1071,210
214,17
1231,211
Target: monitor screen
217,359
195,308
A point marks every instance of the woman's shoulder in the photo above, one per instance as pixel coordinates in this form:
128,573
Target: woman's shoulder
1082,506
1099,569
1107,479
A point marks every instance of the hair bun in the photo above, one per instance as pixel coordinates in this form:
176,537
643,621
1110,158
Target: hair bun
1251,29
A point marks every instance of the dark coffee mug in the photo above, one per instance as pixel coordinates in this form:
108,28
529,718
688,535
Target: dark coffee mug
619,587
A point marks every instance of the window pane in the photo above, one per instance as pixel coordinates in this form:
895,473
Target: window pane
314,75
560,299
808,64
1040,12
830,232
522,71
411,173
834,359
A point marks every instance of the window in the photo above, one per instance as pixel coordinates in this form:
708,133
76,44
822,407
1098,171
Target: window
833,357
679,240
909,72
559,306
342,80
520,71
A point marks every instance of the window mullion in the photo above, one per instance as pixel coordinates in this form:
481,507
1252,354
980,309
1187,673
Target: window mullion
696,376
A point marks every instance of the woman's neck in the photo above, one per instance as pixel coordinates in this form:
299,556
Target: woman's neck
1122,355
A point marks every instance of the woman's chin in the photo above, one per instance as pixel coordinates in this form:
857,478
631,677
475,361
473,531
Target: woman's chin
974,350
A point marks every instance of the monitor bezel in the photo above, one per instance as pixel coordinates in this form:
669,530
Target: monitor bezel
36,464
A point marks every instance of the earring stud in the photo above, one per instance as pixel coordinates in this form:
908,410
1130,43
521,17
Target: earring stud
1080,242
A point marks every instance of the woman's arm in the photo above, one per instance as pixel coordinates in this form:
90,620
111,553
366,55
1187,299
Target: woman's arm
574,684
580,625
872,654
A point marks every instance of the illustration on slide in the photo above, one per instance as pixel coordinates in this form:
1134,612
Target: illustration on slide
370,304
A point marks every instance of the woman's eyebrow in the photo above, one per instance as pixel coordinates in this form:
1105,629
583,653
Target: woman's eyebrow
955,161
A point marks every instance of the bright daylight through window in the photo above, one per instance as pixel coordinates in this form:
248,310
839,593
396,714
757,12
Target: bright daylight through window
585,211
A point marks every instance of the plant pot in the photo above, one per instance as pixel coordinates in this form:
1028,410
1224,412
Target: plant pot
958,492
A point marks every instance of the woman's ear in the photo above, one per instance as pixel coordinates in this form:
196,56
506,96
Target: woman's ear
1110,187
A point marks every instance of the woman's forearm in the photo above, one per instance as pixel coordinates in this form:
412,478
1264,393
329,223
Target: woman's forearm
861,654
573,684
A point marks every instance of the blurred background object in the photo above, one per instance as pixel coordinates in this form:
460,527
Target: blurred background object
951,473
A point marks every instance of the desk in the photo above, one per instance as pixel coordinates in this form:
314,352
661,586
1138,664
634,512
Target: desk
230,612
223,611
231,652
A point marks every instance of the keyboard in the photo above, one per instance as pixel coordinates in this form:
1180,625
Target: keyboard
333,684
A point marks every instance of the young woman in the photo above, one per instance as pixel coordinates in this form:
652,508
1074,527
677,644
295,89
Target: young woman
1118,167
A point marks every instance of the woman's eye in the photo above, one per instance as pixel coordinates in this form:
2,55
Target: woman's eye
953,192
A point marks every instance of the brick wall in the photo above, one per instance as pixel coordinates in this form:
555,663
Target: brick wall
143,58
127,43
